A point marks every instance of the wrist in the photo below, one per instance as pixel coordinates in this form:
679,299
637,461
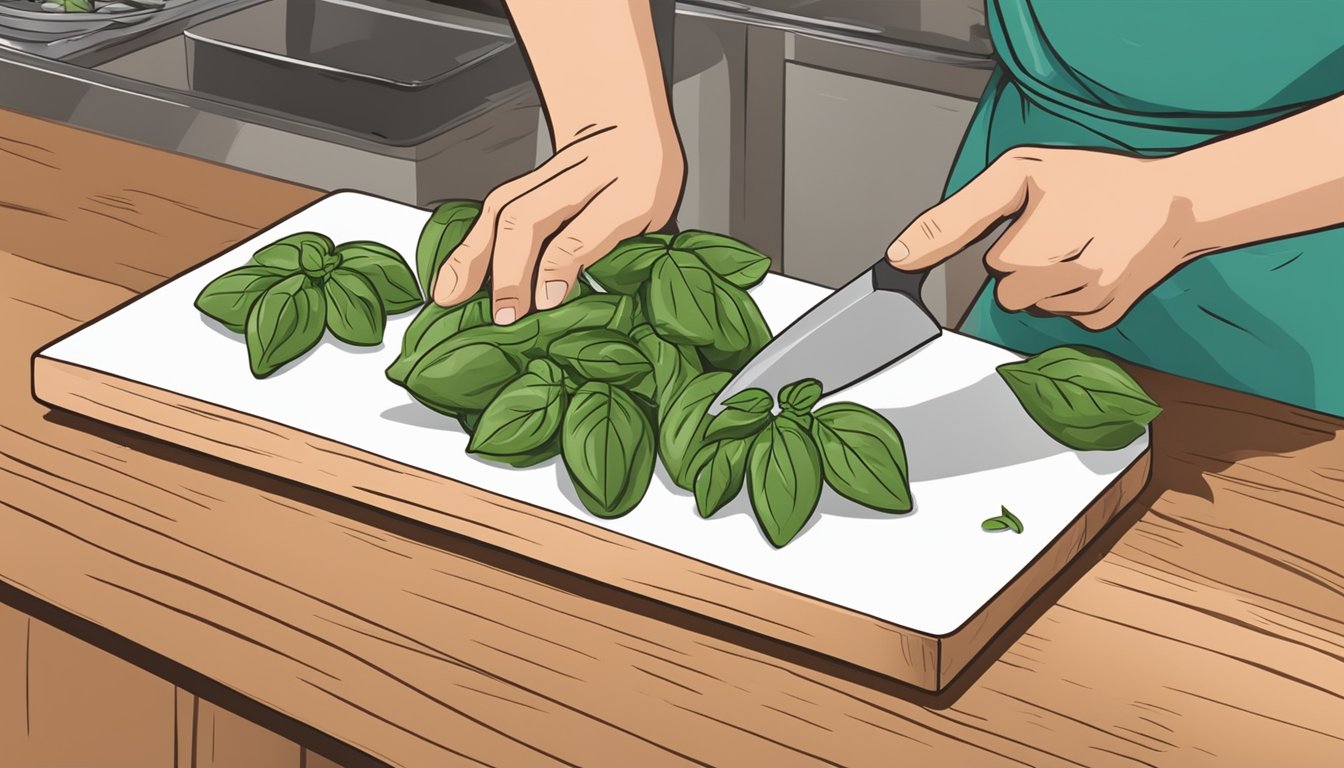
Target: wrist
1200,213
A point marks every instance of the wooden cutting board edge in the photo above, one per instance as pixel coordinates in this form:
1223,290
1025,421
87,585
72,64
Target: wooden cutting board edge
587,549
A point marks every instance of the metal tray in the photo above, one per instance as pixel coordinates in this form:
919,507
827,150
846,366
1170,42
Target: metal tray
387,68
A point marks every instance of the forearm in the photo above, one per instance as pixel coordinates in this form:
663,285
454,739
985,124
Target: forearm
1281,179
596,64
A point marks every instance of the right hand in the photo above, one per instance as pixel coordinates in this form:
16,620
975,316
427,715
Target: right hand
536,232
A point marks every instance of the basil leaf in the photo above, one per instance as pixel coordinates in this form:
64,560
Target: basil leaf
599,354
801,418
433,325
862,456
721,474
229,297
744,415
673,365
355,314
628,312
594,311
284,254
547,371
1005,521
800,396
784,480
469,421
545,452
1084,401
758,333
284,323
461,377
733,260
384,268
629,265
682,302
524,416
446,229
78,6
607,444
682,430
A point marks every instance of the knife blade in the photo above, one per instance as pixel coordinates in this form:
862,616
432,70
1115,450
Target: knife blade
874,320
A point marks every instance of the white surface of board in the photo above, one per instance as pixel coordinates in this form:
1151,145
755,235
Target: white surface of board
971,447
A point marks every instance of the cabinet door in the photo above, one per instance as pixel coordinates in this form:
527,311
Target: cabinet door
862,158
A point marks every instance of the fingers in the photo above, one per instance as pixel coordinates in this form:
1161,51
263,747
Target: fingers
524,226
465,269
592,234
947,228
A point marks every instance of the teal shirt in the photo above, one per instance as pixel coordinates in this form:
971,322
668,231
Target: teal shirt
1153,78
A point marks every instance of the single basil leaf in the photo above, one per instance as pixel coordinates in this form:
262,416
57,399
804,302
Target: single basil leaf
862,456
673,365
545,452
682,303
599,354
229,297
629,265
800,396
995,524
732,423
628,313
313,259
593,311
784,480
758,334
732,308
752,400
463,378
607,444
446,229
355,314
1013,522
682,430
733,260
720,475
1083,400
524,416
386,270
433,325
285,253
284,323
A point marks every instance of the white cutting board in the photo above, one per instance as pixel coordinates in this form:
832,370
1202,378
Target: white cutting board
971,447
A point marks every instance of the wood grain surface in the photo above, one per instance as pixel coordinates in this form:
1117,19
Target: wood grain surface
927,661
1211,633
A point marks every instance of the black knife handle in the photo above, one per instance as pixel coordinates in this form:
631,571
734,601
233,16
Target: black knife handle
888,278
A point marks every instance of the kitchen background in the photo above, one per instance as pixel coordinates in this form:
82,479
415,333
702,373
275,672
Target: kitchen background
814,129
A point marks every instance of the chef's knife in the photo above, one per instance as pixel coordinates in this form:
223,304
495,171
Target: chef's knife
875,320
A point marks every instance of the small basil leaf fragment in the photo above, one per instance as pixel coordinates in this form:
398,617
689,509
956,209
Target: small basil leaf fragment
1006,521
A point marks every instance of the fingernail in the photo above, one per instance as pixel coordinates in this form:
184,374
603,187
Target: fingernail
505,316
897,252
556,291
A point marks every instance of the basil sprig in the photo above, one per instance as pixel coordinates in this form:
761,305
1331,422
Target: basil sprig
297,287
1006,521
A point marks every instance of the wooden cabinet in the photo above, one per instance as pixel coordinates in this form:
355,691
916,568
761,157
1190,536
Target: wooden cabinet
66,704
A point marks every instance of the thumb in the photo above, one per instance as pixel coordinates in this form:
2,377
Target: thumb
946,229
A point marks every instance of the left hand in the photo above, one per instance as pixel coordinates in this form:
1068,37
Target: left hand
1094,231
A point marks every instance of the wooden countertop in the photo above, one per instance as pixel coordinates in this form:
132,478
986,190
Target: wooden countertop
1212,633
